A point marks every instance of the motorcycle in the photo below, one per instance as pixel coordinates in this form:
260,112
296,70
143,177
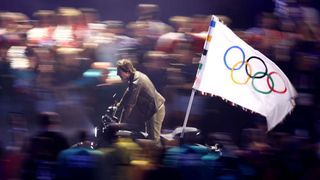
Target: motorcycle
111,128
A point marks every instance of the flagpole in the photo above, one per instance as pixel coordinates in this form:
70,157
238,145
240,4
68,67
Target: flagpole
187,113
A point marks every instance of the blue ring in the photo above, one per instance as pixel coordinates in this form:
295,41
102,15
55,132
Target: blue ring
225,55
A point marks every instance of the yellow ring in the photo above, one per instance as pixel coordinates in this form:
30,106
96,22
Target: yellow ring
250,72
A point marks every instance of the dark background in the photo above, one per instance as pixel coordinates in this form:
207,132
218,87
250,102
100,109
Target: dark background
242,12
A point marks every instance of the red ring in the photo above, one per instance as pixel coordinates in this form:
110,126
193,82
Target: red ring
268,81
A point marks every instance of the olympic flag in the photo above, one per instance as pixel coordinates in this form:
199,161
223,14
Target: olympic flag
233,70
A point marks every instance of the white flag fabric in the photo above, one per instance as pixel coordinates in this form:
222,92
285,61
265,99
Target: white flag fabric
233,70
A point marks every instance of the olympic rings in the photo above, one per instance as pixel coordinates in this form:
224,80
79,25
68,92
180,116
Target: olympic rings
257,75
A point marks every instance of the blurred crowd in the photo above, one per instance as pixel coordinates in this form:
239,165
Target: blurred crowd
63,61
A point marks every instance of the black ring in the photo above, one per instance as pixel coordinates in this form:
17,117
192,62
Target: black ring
258,77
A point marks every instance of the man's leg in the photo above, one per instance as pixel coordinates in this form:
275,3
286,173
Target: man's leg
155,124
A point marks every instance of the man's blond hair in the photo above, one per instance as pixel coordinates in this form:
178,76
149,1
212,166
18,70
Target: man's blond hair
126,65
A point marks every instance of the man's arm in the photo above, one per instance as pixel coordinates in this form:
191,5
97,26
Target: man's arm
130,100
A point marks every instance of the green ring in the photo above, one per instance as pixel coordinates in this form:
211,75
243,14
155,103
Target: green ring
254,87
